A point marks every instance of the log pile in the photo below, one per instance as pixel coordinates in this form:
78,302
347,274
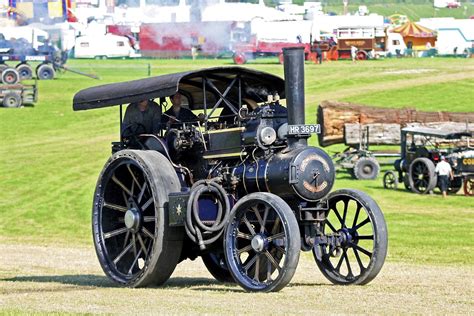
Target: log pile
336,118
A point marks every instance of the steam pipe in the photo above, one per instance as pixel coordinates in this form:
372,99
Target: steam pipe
293,63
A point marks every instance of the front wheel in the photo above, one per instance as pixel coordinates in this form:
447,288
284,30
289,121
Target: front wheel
133,241
356,239
390,180
262,243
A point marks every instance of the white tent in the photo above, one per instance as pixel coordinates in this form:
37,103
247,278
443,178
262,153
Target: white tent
452,33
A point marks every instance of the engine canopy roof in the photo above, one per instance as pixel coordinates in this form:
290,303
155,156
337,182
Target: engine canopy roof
234,83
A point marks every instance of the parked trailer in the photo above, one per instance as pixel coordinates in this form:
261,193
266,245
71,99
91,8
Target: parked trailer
371,42
16,95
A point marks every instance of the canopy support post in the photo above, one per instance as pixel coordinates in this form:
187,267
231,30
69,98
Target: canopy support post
121,121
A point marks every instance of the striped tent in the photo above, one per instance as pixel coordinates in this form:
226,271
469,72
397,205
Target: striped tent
416,34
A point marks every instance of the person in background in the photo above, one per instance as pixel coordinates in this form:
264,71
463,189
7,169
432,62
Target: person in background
143,117
353,53
176,115
319,53
445,174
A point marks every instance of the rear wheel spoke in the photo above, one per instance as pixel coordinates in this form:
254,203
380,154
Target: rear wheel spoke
142,244
115,207
115,232
120,184
134,262
147,233
122,253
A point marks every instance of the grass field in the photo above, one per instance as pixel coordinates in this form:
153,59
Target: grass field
51,157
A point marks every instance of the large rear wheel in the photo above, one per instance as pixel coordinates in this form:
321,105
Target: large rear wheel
356,234
134,243
469,186
262,243
422,176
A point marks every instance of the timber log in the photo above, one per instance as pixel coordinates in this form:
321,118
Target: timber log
344,122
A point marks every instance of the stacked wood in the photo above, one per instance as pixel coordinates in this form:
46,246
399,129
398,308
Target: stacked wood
389,134
334,115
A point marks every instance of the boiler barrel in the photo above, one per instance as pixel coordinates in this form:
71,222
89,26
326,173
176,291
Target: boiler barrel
304,172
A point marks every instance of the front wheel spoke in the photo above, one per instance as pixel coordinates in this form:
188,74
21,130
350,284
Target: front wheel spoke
365,237
364,251
338,217
356,254
348,264
275,225
124,251
257,268
250,263
148,219
272,260
341,259
276,236
249,226
115,207
244,235
356,216
344,214
115,232
245,249
331,226
147,233
120,184
282,250
265,216
142,244
259,218
269,271
365,221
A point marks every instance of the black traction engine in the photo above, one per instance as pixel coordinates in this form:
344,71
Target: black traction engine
239,187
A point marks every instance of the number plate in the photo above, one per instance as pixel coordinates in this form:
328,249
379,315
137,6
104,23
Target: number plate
304,129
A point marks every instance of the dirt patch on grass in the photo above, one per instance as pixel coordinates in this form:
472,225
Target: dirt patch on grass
69,279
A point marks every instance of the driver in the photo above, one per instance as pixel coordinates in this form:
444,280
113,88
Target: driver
177,114
143,117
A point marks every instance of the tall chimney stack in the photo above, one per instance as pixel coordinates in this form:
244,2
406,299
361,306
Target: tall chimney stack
293,63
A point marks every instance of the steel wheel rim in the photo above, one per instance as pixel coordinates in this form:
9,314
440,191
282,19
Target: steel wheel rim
357,252
255,246
127,217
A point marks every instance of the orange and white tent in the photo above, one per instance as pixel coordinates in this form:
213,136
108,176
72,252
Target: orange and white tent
416,34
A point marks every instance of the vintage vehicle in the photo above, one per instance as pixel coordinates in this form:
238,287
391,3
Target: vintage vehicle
421,150
16,95
242,189
371,42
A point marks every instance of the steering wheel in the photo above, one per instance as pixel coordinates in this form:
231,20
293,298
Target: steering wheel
131,132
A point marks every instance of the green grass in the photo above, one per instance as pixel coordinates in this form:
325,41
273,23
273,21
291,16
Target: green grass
51,156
